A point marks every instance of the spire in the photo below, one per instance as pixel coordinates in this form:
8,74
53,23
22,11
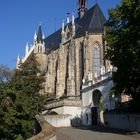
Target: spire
63,25
35,36
18,57
72,18
39,45
68,18
73,25
18,62
39,34
63,32
82,8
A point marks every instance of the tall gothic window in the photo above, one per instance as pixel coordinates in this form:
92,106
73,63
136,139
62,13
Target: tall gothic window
38,49
96,60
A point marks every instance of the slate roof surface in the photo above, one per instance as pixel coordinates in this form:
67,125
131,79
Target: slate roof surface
93,21
39,34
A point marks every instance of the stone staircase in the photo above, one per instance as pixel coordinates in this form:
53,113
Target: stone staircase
48,132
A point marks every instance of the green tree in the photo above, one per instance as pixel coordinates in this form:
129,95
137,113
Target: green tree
123,40
27,78
20,101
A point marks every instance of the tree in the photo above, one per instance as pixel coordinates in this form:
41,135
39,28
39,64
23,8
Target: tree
27,78
16,116
20,101
123,40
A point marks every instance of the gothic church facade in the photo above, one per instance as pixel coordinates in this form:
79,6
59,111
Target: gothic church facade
72,55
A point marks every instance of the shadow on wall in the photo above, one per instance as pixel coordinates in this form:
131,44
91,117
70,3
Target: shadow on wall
76,121
38,128
129,122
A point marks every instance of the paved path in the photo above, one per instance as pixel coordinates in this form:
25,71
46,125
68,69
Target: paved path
94,134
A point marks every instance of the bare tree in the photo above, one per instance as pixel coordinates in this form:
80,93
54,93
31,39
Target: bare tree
5,73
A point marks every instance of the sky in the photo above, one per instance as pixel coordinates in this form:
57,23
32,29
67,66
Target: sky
19,20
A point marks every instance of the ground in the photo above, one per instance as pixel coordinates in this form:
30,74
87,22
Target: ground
95,133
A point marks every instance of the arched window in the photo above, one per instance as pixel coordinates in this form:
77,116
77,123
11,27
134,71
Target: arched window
96,60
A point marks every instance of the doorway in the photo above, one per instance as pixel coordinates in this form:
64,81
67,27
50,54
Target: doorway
97,108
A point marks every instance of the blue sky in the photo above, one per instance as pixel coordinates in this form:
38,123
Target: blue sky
19,19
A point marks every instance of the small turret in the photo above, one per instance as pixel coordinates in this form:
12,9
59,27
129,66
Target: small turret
39,43
68,18
18,62
63,32
73,25
39,34
67,29
63,26
35,37
27,49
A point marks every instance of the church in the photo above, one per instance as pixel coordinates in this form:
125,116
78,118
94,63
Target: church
71,57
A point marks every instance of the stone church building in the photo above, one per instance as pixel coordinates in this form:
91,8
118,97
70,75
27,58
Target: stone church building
72,55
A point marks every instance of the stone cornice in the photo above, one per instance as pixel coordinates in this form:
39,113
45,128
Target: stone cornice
64,102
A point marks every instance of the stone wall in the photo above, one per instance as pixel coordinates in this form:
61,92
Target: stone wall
51,73
48,132
42,59
62,70
59,120
68,112
97,92
130,122
69,64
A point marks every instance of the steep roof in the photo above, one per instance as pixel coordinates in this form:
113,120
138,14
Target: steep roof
93,21
53,41
39,34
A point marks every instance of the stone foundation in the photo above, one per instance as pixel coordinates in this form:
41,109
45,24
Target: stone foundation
67,112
